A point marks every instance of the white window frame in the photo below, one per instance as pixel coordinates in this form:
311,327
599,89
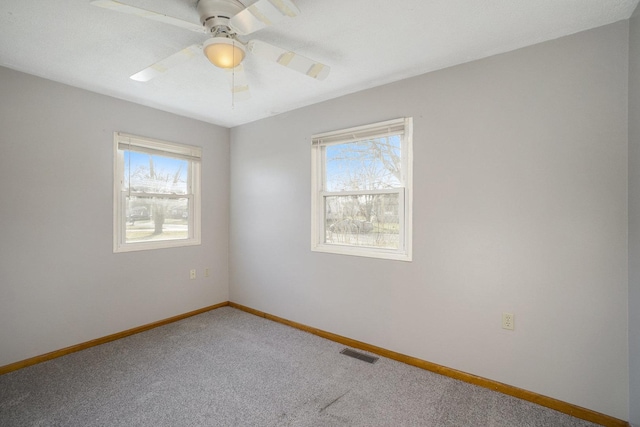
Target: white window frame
126,142
319,142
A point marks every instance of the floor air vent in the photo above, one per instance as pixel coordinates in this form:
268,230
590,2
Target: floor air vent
360,356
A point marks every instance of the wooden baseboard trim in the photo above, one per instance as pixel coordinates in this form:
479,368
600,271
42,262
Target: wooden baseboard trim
549,402
82,346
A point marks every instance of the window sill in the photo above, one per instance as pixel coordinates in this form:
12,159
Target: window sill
162,244
363,252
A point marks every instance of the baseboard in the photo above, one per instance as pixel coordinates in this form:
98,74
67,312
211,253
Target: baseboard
83,346
549,402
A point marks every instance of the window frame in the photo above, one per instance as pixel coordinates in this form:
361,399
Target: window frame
319,142
122,142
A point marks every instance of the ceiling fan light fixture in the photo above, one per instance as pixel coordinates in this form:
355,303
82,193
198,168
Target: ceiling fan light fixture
224,52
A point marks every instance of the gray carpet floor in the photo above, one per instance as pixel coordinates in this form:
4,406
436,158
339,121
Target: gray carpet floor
230,368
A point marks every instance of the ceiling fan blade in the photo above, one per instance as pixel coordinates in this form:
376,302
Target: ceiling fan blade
121,7
261,14
239,84
290,59
167,63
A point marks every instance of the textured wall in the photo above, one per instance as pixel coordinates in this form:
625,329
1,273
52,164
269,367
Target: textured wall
60,282
520,205
634,218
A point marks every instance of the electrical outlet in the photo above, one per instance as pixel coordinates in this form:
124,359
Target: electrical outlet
192,274
207,272
507,321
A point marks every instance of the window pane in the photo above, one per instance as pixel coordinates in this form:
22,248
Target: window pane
370,220
151,173
151,219
364,165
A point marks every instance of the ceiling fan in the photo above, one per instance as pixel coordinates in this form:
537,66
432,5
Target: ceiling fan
224,21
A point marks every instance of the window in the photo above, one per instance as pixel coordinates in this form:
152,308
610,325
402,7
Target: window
156,194
361,201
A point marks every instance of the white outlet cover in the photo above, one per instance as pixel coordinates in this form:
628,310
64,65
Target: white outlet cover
508,321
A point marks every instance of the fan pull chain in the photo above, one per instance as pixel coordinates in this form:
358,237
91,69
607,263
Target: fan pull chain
233,77
129,171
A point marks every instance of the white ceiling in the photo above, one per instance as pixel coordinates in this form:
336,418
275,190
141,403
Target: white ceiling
366,42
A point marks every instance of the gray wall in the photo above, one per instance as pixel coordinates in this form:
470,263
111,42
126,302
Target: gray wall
520,205
60,282
634,218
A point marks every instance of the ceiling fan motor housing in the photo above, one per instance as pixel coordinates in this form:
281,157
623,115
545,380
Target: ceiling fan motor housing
216,13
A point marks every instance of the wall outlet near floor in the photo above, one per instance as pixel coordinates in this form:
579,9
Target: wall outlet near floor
207,272
507,321
192,274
